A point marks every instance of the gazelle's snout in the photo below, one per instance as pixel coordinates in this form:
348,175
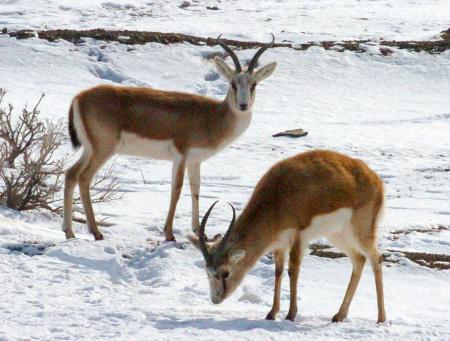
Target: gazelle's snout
243,107
217,299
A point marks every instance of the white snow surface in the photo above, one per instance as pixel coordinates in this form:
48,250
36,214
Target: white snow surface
393,112
290,20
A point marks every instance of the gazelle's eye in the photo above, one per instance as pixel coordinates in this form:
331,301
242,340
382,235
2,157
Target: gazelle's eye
226,274
233,86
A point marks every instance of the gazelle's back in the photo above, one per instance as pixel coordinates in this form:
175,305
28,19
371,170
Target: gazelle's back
318,182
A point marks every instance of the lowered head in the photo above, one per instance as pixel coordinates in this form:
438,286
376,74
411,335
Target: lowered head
223,267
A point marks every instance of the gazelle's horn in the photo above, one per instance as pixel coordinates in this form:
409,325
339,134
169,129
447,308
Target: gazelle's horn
231,53
202,237
258,54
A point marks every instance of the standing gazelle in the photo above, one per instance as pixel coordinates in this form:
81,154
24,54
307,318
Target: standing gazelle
314,194
181,127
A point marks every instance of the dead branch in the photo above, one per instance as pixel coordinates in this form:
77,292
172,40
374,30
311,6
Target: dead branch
31,176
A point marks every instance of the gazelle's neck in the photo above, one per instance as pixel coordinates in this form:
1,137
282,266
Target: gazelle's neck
250,234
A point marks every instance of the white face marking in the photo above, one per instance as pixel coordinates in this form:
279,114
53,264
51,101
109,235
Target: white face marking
132,144
215,287
328,224
243,91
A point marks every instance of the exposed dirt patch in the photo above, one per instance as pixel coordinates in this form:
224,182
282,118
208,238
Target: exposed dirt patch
133,37
327,254
430,260
143,37
394,235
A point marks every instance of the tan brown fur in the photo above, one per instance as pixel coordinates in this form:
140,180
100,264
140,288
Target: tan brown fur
188,121
288,199
313,183
156,114
180,127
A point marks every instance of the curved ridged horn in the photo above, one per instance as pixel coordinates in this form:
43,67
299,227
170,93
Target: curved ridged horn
231,224
202,237
258,54
234,216
231,53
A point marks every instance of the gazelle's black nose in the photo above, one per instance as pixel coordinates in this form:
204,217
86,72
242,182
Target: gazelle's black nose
243,107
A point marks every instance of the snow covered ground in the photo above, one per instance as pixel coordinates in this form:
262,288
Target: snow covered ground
393,112
297,21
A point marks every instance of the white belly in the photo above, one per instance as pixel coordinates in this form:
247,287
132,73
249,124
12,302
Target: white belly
132,144
200,154
326,225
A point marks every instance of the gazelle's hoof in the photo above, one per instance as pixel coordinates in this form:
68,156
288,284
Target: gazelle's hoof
381,319
98,236
271,316
338,318
291,316
170,238
69,235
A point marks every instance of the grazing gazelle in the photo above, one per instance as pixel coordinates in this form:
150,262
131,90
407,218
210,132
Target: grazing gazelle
181,127
314,194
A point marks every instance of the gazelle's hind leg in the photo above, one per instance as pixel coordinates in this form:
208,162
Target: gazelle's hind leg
71,180
375,261
364,223
94,163
358,261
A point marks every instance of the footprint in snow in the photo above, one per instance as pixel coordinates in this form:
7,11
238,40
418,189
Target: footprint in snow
212,76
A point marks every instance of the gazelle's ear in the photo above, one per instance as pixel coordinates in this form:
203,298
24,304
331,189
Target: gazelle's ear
236,256
265,72
211,245
223,68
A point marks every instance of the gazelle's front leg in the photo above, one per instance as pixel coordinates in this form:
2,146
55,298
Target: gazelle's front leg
194,182
279,266
295,259
178,169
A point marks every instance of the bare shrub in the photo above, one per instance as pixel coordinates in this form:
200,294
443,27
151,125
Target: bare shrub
31,177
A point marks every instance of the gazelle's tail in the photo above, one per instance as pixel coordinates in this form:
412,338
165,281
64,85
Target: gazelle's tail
72,131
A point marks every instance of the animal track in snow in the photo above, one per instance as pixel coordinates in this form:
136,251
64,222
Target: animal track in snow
107,73
28,248
212,76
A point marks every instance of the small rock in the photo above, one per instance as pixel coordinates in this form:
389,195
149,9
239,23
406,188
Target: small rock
184,4
292,133
212,8
386,51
